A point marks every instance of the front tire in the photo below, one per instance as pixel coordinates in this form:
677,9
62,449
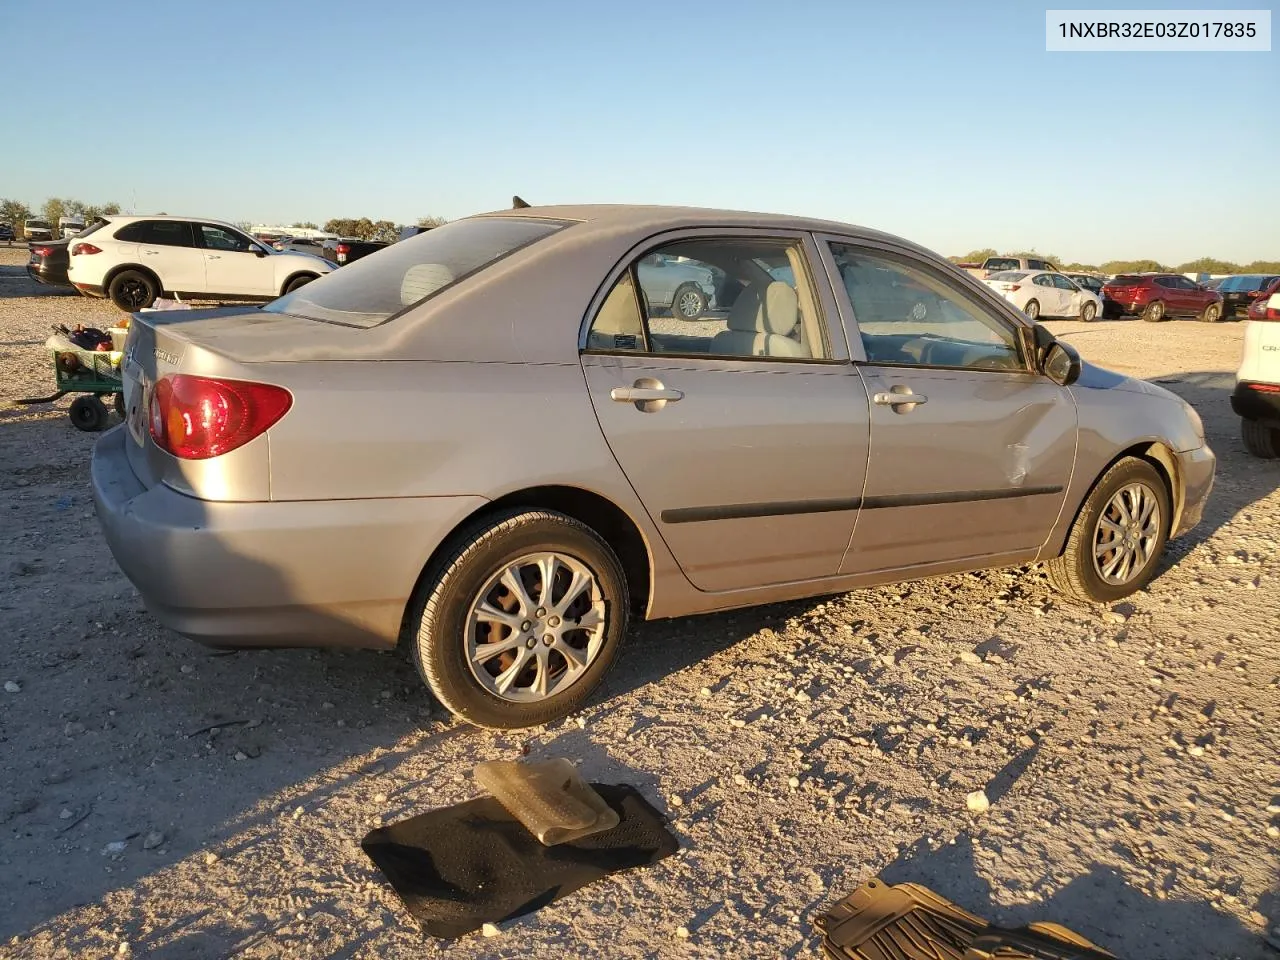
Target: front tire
1154,313
521,620
132,290
1118,536
297,282
1032,310
1212,313
1260,440
1088,312
689,302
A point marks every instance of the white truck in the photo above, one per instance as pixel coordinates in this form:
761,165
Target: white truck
70,226
997,264
36,229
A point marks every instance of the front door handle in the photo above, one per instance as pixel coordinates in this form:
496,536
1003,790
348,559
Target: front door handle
649,395
212,256
901,399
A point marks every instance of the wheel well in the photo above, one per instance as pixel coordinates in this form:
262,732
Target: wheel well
116,271
598,513
1162,459
294,276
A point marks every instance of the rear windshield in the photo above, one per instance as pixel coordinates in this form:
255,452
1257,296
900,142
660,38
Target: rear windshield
92,228
1124,280
1002,263
1008,275
377,287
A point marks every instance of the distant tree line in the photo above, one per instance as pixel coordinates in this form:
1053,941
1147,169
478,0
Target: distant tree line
15,212
366,229
1202,265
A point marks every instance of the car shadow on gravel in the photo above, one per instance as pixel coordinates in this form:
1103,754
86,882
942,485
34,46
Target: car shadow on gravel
1098,903
14,283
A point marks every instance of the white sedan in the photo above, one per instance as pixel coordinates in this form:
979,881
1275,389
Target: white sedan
1041,294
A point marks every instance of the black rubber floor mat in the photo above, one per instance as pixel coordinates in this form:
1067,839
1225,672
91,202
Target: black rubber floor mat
910,922
461,867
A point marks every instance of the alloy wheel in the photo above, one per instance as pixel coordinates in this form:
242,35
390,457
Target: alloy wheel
535,627
1126,534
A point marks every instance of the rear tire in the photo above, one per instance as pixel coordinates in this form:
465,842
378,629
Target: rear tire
1260,440
1032,310
1213,313
452,630
88,413
1154,313
1076,573
132,290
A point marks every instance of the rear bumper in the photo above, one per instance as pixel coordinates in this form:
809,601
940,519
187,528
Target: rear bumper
45,274
314,573
1252,404
1197,469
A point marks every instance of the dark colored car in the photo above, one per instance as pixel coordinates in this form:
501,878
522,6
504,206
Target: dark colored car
346,251
300,245
1240,291
1089,282
48,262
1159,296
6,232
413,231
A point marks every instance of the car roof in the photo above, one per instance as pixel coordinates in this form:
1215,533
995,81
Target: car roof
121,218
610,216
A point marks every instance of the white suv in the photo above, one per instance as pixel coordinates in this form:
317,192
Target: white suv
133,260
1257,395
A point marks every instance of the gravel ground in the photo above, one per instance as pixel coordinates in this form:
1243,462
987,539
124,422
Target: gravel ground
164,800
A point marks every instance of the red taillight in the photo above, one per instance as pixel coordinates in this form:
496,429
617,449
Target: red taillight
1271,313
42,251
1265,387
1014,286
84,248
195,418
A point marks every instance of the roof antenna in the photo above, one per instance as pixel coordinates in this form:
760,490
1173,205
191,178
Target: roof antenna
518,204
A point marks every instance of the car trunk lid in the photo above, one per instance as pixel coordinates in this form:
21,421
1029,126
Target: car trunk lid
221,343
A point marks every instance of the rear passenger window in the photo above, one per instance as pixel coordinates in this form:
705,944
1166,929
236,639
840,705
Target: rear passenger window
714,297
161,233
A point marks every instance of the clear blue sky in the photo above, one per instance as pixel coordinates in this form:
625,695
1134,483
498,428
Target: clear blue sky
946,122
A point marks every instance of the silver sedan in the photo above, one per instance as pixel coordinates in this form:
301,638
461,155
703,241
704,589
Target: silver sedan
487,443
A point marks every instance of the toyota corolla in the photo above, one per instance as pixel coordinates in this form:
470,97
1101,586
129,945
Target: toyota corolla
489,443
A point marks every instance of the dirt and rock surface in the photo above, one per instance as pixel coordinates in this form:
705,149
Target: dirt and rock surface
162,800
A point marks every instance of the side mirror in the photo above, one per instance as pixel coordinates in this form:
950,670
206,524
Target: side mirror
1062,364
257,251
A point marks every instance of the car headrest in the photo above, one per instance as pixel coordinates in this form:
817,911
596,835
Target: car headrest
422,280
771,309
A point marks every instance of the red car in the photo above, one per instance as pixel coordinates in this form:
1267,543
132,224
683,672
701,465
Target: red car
1159,296
1258,309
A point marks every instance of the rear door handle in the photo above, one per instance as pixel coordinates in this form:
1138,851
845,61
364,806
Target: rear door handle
649,395
212,256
